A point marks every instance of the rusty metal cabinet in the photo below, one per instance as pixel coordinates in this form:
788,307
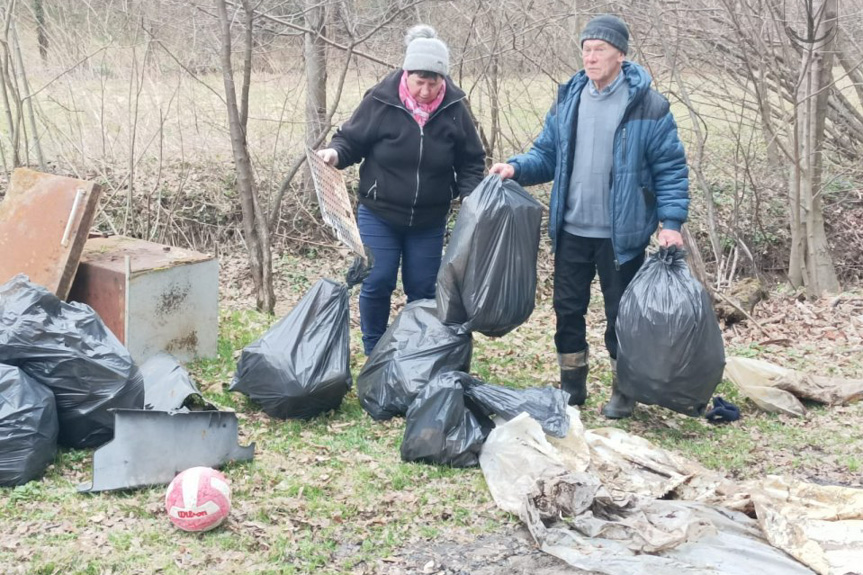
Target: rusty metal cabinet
152,297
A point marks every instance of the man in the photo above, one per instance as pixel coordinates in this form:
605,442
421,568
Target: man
611,146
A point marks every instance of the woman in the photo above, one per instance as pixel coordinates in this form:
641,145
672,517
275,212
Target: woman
419,150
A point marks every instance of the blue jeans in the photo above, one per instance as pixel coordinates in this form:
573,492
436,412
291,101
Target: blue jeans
418,250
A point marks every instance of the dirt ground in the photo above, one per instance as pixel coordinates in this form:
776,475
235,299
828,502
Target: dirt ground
510,552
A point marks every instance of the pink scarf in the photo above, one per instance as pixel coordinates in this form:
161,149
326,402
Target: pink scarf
421,112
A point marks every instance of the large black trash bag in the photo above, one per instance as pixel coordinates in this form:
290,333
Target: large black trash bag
546,405
301,366
28,427
414,349
67,347
487,279
670,349
442,426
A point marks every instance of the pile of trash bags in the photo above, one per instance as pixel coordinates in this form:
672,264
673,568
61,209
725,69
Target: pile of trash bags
451,417
65,350
670,349
412,352
301,366
66,347
486,284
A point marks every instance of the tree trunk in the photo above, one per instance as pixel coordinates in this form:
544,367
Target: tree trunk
254,224
817,270
315,51
41,30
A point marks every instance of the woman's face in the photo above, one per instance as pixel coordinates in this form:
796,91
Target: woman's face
424,90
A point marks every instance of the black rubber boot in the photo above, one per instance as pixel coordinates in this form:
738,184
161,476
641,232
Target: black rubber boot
619,406
573,375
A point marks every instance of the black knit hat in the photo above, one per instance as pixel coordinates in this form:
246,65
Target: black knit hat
609,28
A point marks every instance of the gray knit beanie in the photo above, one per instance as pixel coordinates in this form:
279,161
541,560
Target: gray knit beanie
609,28
425,51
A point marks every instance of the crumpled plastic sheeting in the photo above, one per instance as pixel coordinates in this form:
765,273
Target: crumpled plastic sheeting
821,526
710,541
571,494
628,464
777,389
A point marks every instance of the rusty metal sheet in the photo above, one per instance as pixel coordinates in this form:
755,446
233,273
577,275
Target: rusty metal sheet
44,224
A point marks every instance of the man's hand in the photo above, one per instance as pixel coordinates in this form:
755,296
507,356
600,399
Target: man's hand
328,155
668,238
505,171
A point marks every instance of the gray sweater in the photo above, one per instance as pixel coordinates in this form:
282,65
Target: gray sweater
588,202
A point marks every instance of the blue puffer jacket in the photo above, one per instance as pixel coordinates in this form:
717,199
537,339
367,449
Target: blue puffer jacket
650,180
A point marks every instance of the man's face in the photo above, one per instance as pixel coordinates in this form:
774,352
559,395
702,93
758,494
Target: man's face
602,61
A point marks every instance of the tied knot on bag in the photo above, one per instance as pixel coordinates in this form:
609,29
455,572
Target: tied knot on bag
723,411
360,268
671,255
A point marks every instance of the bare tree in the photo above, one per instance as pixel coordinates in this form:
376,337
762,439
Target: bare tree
255,229
810,263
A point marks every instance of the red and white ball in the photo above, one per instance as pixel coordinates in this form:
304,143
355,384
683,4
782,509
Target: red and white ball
198,499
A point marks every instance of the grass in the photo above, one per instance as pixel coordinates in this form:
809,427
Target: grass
331,495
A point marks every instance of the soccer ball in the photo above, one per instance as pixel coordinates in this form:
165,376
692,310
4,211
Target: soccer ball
198,499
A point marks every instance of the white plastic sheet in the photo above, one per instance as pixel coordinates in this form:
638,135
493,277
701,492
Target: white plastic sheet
592,499
779,389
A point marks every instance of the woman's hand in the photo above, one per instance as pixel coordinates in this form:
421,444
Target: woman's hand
328,155
503,170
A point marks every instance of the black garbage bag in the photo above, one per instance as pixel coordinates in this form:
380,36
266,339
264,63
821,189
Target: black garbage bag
546,405
301,366
67,347
28,427
670,349
169,387
487,279
442,426
414,349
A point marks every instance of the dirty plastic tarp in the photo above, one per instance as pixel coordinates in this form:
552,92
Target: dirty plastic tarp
592,499
819,525
487,279
414,349
301,366
168,386
546,405
778,389
28,426
670,349
67,347
441,426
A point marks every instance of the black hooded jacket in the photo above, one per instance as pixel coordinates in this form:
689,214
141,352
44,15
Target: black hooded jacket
409,174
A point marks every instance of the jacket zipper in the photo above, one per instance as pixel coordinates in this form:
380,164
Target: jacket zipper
622,128
419,163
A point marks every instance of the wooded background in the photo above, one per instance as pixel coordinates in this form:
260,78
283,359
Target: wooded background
194,114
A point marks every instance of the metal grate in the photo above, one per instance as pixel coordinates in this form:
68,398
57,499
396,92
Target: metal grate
334,202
